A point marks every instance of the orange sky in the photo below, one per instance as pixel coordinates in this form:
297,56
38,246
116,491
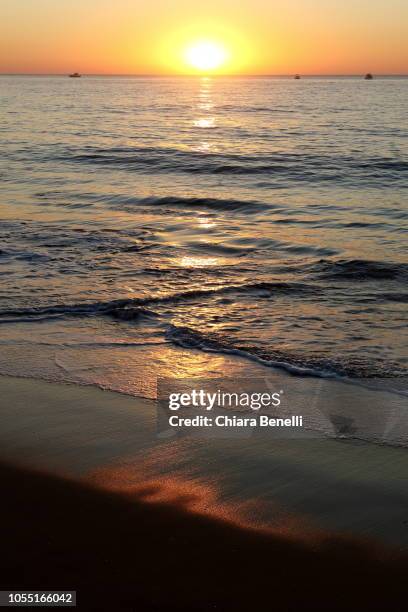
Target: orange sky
150,37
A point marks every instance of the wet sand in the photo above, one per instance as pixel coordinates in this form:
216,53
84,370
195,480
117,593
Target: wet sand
120,552
95,501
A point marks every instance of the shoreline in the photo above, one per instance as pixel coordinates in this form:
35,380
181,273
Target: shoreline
342,408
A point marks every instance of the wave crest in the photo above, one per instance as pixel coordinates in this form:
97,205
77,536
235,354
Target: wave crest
359,269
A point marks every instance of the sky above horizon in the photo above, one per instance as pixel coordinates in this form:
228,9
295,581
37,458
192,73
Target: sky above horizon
157,37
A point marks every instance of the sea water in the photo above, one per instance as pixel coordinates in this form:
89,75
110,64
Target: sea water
160,226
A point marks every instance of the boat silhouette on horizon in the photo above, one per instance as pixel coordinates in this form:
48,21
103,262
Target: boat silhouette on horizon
75,75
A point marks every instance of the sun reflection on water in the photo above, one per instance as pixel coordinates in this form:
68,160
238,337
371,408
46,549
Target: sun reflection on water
206,119
205,122
198,262
204,147
205,222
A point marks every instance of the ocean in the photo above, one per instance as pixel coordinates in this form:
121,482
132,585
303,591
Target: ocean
202,227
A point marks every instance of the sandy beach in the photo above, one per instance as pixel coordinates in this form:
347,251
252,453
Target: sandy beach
94,500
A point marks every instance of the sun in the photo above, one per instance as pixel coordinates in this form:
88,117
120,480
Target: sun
205,55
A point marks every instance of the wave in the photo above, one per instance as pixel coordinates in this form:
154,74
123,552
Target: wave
296,364
132,308
129,203
394,297
239,108
142,310
298,166
359,269
204,203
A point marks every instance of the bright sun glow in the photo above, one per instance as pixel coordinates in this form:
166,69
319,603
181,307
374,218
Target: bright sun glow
206,55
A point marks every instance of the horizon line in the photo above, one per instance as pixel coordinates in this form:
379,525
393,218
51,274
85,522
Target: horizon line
249,75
